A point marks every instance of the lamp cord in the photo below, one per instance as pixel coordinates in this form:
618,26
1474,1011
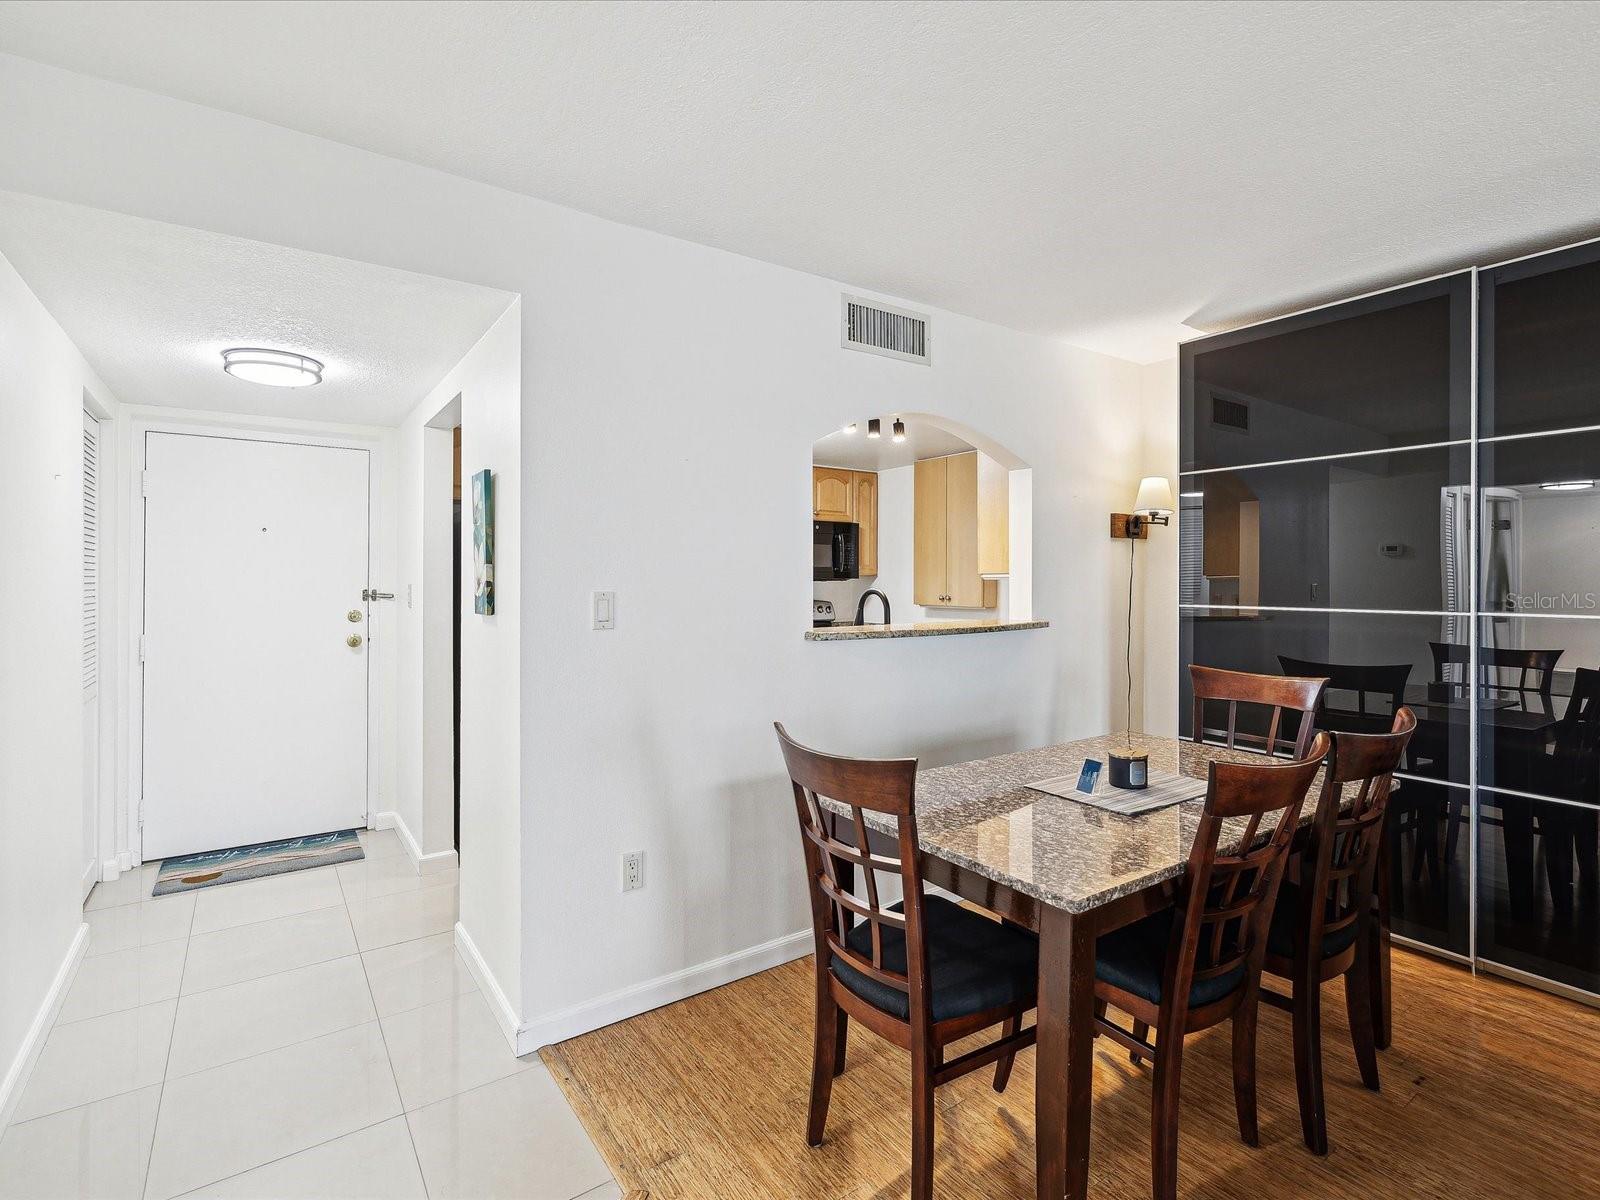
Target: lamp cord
1128,654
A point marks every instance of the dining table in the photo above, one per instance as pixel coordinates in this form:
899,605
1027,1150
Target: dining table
1070,872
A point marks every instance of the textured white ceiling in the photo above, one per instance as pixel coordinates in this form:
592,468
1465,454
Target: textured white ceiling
152,306
1104,172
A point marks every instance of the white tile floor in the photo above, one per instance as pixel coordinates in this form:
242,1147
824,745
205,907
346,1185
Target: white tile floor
312,1035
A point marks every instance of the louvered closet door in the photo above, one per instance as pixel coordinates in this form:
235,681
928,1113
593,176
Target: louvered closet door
91,650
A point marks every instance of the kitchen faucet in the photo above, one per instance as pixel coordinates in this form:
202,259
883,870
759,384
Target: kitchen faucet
861,609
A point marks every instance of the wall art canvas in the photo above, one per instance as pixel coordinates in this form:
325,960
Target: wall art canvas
483,542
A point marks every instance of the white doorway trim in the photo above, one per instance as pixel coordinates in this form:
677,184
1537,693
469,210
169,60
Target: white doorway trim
131,708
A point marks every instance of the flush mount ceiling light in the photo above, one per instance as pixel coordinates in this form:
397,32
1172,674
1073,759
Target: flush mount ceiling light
1567,485
899,430
279,368
872,428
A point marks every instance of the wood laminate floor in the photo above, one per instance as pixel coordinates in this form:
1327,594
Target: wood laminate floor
1491,1090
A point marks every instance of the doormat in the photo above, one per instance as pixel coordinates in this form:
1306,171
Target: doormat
253,862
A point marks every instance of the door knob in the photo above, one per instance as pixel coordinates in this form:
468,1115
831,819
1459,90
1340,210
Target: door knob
353,616
353,640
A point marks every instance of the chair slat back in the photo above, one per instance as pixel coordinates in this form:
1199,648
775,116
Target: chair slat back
1226,903
837,845
1342,857
1278,693
1370,684
1539,666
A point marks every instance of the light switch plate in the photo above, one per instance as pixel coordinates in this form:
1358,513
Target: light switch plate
603,609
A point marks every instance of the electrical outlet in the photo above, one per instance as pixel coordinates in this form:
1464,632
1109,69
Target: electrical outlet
633,870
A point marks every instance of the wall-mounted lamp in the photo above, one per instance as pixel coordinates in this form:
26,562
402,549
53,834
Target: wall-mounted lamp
872,428
899,430
850,428
1152,506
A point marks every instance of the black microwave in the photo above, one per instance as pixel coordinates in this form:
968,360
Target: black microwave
833,549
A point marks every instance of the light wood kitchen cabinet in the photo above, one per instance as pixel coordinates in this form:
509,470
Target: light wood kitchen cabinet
833,494
946,538
866,502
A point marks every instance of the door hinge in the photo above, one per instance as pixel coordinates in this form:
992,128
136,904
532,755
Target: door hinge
144,483
143,647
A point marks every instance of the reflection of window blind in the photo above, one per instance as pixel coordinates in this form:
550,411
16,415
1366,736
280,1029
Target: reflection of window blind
1191,552
1453,546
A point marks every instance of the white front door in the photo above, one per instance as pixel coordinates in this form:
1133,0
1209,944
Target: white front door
255,705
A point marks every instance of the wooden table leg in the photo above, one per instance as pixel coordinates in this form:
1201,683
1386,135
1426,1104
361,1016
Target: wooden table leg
1064,1088
1382,994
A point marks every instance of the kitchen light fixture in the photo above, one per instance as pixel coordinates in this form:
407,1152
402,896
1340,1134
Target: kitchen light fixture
872,428
850,428
278,368
1567,485
899,430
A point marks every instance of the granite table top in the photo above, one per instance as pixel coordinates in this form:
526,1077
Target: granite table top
982,815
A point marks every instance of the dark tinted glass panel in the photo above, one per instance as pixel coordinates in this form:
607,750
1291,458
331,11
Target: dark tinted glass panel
1361,532
1539,717
1391,370
1540,548
1373,661
1539,887
1541,344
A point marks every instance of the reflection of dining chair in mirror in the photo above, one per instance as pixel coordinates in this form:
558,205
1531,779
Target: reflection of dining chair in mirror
1572,772
1493,662
1276,694
1379,692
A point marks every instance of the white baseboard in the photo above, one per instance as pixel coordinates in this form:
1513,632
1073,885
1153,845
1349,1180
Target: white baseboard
16,1077
426,864
504,1014
664,989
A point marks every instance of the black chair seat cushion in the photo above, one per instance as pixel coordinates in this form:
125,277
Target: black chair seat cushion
1281,937
1134,958
974,964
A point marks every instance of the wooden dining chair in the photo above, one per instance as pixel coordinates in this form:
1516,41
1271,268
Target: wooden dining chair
921,973
1197,964
1321,927
1278,693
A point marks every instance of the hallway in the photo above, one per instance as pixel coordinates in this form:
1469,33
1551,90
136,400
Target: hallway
306,1035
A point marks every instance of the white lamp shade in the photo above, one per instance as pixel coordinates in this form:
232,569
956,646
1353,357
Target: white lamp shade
1155,497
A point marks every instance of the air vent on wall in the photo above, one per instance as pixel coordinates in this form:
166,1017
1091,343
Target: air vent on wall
888,331
1230,414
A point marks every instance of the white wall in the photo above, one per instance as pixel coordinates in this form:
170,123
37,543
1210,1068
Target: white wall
488,383
670,398
1156,585
42,383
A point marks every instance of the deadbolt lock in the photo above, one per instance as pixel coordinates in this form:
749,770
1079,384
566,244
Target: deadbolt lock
353,640
353,616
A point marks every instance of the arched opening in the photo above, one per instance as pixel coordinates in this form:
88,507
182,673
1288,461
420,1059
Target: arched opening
932,515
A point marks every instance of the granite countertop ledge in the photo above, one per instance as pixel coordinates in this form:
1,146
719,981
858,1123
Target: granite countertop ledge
856,633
